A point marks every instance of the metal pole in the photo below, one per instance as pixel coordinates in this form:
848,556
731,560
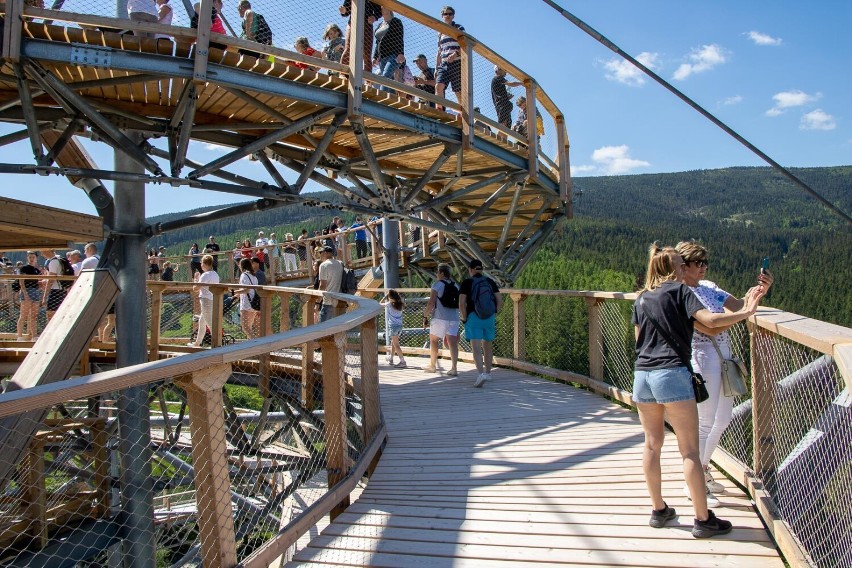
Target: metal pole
390,242
139,544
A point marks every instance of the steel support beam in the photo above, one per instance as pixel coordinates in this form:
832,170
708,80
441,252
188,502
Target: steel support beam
260,143
510,216
137,499
373,164
440,201
488,203
449,150
29,114
65,94
319,151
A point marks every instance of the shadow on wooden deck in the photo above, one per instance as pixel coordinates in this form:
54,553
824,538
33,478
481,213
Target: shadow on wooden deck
522,472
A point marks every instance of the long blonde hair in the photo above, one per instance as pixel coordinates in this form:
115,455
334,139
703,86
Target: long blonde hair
661,267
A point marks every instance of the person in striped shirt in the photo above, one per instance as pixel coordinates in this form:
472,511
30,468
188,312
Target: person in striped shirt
448,60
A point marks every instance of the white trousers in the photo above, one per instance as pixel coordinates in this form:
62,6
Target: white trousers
714,414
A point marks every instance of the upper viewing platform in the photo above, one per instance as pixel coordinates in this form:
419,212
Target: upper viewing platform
465,163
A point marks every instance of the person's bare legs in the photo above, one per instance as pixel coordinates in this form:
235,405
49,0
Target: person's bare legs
433,351
453,342
395,348
476,347
683,417
488,350
652,417
106,330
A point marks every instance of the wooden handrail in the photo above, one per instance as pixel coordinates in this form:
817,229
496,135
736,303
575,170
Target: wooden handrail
92,385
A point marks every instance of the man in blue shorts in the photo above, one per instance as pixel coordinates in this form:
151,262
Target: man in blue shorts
448,61
479,302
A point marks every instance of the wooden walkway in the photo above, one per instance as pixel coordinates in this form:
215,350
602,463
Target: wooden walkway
523,472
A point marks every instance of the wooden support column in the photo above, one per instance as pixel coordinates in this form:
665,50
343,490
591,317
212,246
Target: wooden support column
284,319
202,44
596,362
466,95
334,405
762,403
519,317
156,289
355,87
564,163
218,307
210,461
532,129
308,380
265,330
374,246
12,30
370,378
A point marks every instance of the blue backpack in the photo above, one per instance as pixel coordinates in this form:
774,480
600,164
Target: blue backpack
484,301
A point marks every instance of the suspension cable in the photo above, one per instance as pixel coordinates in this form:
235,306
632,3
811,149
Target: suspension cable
610,45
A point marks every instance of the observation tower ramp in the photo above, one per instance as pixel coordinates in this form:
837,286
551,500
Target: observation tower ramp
385,148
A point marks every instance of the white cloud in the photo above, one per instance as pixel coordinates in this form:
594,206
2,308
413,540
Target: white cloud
582,169
210,147
623,71
735,100
615,160
763,39
702,59
817,120
790,99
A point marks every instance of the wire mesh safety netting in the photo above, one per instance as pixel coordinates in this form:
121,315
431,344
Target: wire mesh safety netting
320,30
264,446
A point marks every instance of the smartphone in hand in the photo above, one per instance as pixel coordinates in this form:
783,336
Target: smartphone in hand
764,265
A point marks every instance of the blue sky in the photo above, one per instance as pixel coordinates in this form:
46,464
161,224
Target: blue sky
777,72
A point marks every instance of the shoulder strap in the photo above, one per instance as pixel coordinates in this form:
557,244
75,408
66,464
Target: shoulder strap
676,345
716,346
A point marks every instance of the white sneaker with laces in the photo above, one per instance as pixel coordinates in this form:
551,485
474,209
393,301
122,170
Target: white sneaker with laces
712,500
713,486
389,360
480,380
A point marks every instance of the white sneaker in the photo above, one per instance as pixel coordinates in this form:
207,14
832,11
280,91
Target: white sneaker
713,486
389,360
480,380
712,500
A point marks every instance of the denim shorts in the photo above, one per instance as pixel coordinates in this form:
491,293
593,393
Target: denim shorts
394,330
662,385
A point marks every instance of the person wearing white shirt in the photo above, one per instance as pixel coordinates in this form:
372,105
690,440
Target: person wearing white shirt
205,298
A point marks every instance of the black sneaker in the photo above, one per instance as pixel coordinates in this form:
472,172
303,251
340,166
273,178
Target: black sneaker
711,527
661,517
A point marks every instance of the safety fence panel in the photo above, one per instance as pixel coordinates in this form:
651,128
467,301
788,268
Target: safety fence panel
219,462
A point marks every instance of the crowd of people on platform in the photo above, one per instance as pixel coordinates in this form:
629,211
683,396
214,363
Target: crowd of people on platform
383,48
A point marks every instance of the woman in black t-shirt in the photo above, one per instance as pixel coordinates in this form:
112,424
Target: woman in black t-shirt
662,387
30,298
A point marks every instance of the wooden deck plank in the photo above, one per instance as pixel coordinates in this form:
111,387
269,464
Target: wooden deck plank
522,472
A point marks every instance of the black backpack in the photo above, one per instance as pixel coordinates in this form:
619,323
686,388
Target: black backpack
450,297
264,32
484,301
65,270
349,284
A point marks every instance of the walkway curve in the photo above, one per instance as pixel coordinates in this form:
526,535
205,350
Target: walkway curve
522,472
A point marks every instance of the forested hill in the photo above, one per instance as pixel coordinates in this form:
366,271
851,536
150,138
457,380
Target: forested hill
740,214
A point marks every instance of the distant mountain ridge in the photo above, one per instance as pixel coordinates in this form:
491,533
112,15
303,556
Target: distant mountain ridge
740,214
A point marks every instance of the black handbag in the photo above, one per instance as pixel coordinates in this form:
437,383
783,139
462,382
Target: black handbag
699,387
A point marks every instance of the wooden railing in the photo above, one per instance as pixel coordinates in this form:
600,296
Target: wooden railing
359,82
788,443
201,376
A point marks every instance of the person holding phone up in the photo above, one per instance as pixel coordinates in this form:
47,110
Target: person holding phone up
714,414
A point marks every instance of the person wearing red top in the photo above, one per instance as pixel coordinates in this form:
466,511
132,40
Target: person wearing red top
303,46
247,251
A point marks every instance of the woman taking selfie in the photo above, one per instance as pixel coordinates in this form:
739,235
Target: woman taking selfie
709,346
663,316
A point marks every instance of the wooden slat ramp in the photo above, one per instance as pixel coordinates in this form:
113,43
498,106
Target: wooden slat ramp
522,472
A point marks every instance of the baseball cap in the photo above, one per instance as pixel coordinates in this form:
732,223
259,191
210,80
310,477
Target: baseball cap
327,248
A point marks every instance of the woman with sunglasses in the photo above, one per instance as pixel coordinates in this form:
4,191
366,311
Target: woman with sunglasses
714,414
664,315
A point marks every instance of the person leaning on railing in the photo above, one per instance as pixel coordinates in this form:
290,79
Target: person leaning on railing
663,316
714,414
30,298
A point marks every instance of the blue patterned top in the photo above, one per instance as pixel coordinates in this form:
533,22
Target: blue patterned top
713,298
